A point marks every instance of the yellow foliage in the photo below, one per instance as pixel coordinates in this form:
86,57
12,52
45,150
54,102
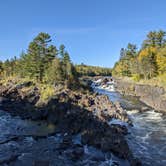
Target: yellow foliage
118,70
146,52
161,61
156,81
136,77
5,80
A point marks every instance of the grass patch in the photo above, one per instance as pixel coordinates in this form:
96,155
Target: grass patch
46,92
157,81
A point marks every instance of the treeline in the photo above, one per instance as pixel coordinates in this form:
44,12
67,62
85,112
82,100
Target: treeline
85,70
147,62
42,62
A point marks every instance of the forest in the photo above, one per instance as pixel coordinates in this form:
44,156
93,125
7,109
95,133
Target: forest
45,63
146,63
85,70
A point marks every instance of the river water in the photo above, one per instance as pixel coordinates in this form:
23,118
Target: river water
24,142
32,143
147,137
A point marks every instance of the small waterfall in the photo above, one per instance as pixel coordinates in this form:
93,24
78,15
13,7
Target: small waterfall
107,83
147,138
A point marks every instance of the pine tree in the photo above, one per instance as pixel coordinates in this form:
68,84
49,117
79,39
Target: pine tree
1,68
122,53
54,72
7,68
155,39
39,55
62,51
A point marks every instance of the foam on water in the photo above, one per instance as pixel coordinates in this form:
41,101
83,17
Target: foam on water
117,121
147,138
133,112
109,158
98,81
105,87
151,116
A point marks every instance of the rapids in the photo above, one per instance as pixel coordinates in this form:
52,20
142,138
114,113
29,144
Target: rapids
147,137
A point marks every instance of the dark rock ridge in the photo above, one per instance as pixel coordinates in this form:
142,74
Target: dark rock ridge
153,96
74,113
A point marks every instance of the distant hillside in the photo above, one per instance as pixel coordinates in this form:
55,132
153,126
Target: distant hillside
86,70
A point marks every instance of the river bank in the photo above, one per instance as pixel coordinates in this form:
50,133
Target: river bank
153,96
147,135
72,113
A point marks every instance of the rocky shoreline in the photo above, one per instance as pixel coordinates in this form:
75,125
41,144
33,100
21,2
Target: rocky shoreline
72,112
153,96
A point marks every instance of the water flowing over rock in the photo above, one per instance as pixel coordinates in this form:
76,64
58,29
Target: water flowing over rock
72,112
147,135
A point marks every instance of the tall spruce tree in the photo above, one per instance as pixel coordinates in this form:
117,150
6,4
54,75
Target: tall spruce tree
39,55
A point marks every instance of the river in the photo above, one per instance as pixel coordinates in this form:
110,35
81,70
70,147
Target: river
25,142
147,137
34,143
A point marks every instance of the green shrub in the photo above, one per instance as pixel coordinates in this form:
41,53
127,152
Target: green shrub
46,92
136,77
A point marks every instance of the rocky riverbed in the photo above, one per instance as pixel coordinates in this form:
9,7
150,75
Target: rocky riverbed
67,117
147,135
151,95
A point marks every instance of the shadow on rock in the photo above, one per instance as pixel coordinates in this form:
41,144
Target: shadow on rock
73,113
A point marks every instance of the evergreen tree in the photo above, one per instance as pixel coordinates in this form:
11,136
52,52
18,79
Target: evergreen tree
122,53
54,72
131,50
161,41
1,68
154,39
43,63
7,68
39,55
66,65
62,51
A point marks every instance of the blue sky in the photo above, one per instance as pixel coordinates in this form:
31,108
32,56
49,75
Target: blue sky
93,31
